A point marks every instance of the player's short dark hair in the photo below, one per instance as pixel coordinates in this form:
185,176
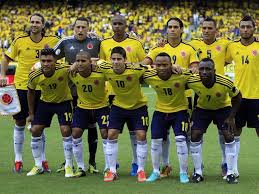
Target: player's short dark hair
48,51
210,19
39,15
84,53
175,19
163,54
120,51
247,18
208,60
82,19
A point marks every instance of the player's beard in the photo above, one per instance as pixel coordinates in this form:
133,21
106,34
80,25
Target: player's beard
119,69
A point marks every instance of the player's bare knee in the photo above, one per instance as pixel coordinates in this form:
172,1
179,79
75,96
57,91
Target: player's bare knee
104,133
65,130
113,134
228,136
237,131
20,123
77,133
141,135
196,135
36,131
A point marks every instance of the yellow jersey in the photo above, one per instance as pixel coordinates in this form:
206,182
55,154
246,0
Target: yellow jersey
216,97
54,89
170,93
133,47
215,51
183,54
27,54
91,90
126,86
246,63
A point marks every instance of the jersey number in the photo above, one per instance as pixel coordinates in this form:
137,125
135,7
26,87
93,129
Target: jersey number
68,116
37,54
245,60
208,97
87,88
209,54
120,84
53,86
145,121
185,126
168,91
174,59
105,119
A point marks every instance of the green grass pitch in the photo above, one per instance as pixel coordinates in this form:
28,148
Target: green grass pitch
93,184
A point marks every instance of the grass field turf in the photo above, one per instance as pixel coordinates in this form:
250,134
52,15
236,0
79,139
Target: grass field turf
55,183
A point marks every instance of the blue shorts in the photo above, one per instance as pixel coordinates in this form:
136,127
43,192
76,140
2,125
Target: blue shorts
161,123
136,119
24,113
202,118
82,117
46,111
248,114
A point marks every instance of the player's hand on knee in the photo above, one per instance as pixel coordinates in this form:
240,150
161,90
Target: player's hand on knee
30,118
3,81
230,124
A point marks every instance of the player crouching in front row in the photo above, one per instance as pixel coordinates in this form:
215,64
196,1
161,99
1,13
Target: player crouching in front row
214,104
55,99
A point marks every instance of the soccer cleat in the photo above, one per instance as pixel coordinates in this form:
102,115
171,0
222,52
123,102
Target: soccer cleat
231,179
105,171
35,170
224,169
92,169
61,168
134,169
79,172
69,172
166,171
184,178
236,174
109,177
18,167
153,177
141,176
45,166
196,178
117,165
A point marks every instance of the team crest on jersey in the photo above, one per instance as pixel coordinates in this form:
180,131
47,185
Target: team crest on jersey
254,52
129,78
177,85
46,46
90,45
96,82
218,48
218,94
183,53
60,79
6,99
128,48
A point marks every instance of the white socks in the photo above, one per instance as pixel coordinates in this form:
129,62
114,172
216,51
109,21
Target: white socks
165,151
105,154
237,143
18,140
133,141
142,151
230,156
43,145
222,146
67,145
182,152
156,152
77,145
36,148
112,154
195,149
